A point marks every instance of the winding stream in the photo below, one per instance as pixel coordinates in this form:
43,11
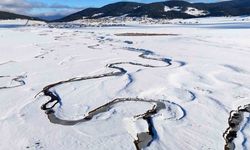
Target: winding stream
143,139
19,80
235,120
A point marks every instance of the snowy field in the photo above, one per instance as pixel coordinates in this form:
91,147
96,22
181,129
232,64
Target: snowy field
177,90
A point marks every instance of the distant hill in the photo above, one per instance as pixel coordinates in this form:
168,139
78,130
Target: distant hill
8,15
116,9
167,9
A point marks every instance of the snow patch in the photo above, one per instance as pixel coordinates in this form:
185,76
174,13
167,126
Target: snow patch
175,8
196,12
96,15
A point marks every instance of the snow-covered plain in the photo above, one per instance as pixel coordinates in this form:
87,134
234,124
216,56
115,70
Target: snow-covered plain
208,77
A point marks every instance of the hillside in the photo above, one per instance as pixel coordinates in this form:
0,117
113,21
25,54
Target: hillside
167,10
8,15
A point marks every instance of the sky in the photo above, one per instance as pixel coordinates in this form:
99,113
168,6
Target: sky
58,8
